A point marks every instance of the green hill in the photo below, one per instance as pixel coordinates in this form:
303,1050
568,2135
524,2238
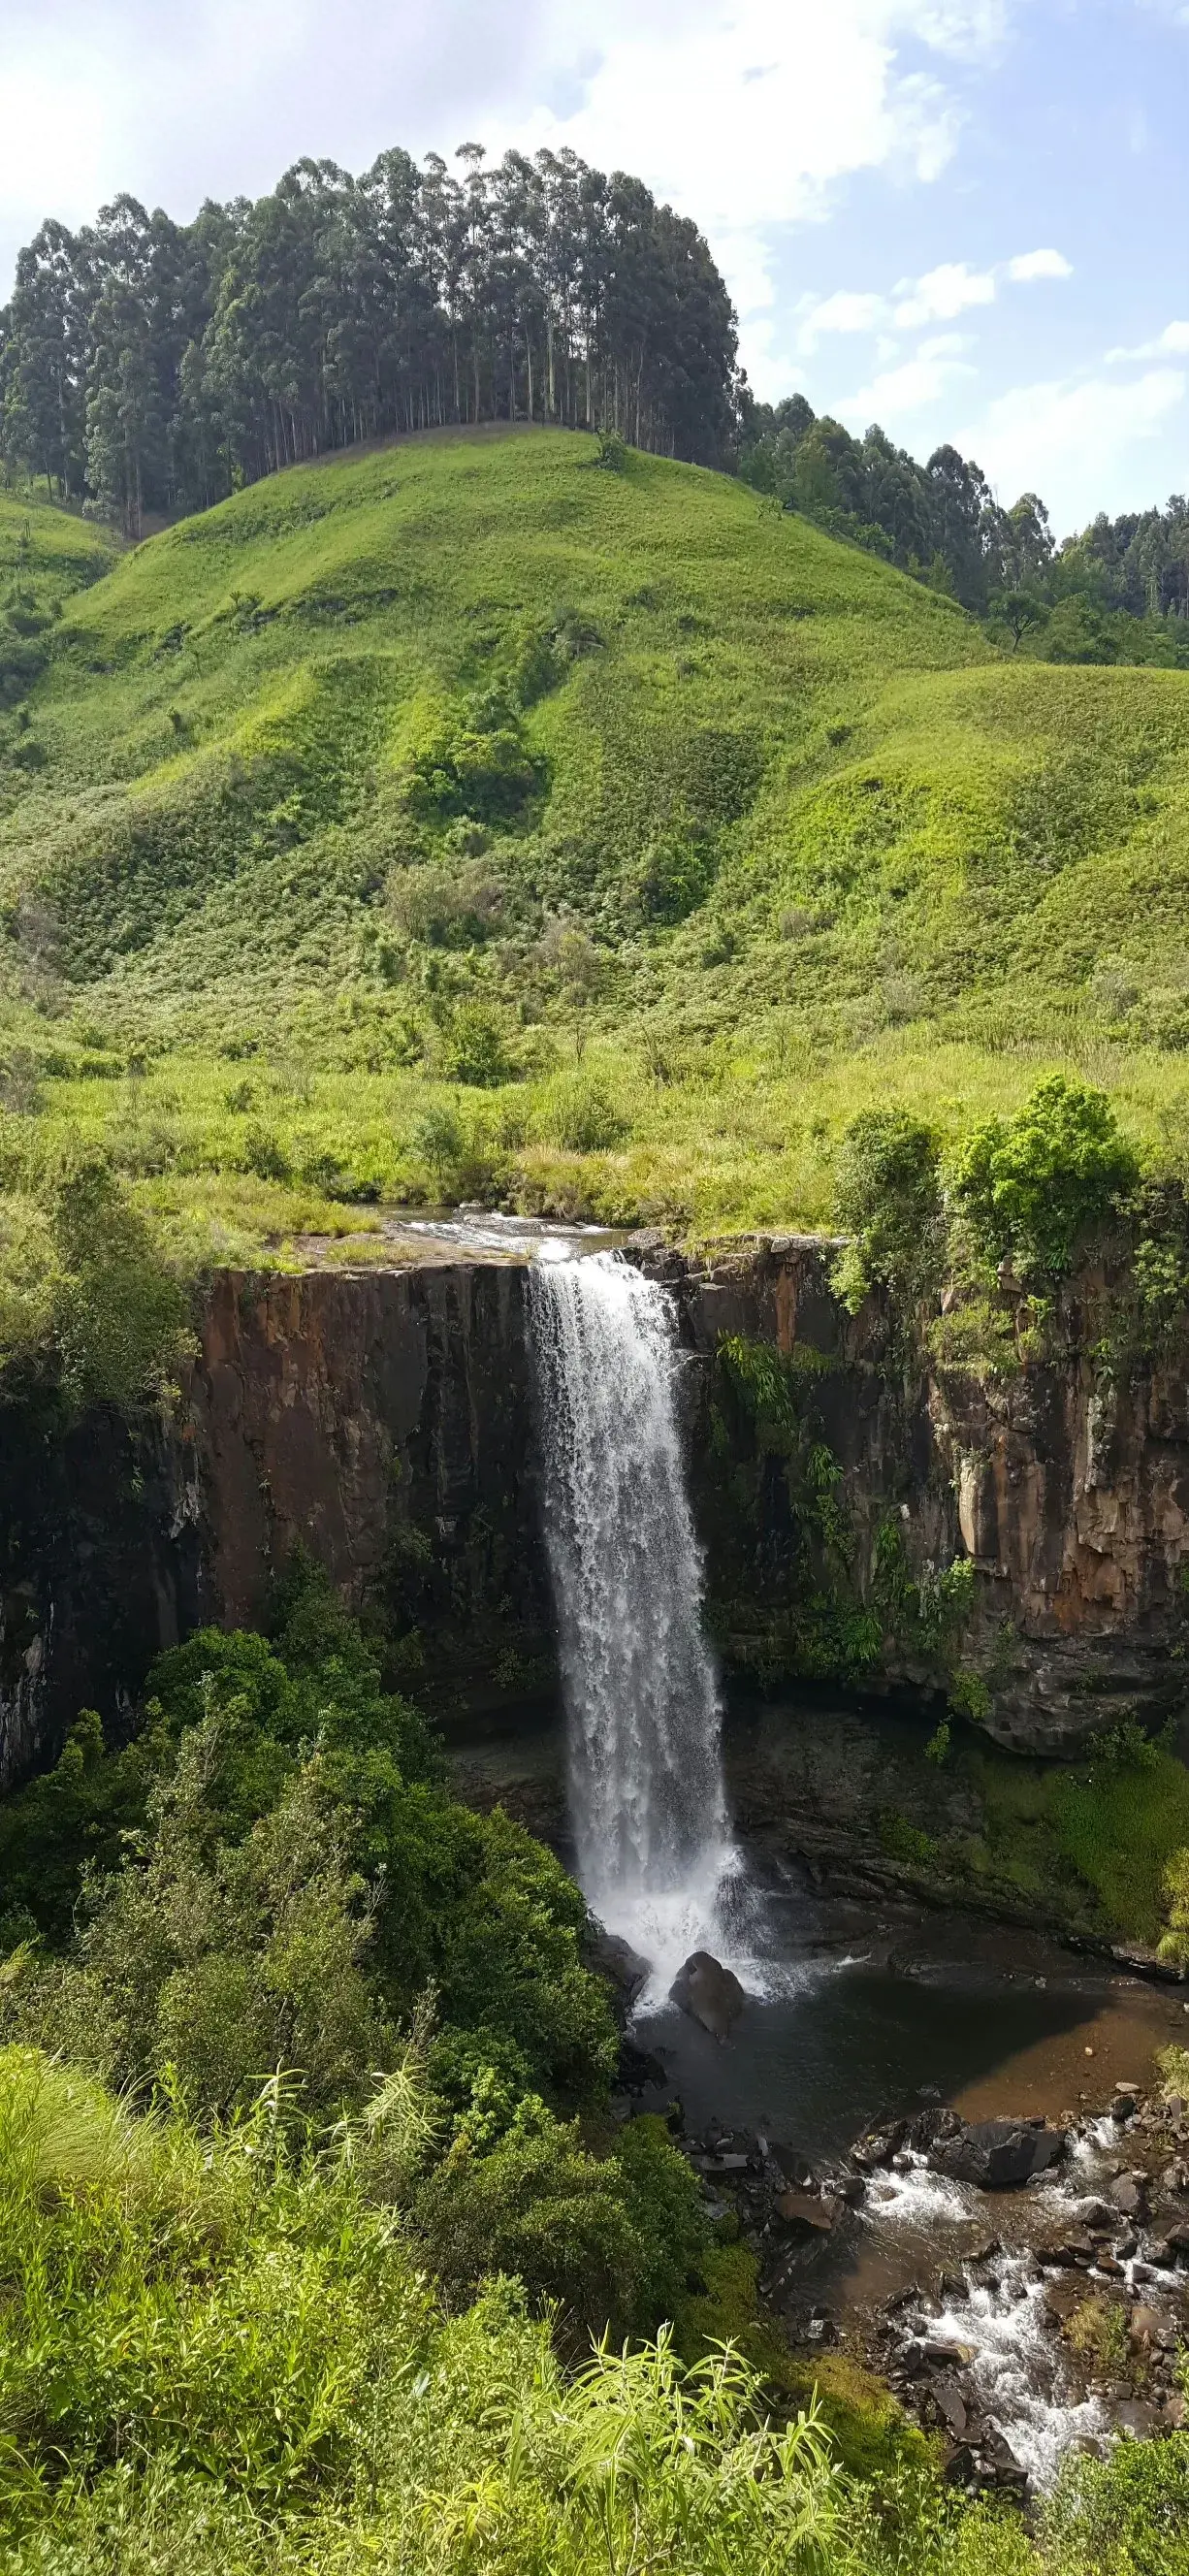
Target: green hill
467,818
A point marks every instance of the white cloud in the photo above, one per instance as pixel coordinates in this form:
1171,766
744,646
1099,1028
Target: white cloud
1031,265
899,393
841,312
940,296
1172,342
747,114
1073,439
943,294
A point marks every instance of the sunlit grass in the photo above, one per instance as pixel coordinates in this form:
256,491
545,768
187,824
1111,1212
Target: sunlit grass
921,873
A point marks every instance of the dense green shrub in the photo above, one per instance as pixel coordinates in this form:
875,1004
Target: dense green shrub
263,1773
476,1049
887,1197
1033,1187
584,1118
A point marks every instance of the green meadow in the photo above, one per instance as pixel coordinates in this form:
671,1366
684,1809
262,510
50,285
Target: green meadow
466,820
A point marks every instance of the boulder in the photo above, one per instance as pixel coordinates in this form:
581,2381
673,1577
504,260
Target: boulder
1128,2194
1136,2418
878,2146
804,2209
709,1993
1073,2247
951,2405
610,1956
1150,2327
998,2154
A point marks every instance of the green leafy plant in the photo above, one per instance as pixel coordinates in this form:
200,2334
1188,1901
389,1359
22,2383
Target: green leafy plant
887,1195
1035,1186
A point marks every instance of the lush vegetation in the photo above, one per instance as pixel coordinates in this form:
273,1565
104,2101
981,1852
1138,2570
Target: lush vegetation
271,1875
467,820
158,366
217,2347
1118,592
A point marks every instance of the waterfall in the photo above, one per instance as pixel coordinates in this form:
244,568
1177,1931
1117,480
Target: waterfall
641,1696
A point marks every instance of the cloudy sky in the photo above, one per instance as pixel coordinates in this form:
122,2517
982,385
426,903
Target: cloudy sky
963,218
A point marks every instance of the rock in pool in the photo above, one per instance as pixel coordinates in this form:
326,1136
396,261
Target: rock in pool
610,1956
709,1992
999,2154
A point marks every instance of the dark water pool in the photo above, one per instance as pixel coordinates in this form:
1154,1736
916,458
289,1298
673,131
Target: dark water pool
816,2066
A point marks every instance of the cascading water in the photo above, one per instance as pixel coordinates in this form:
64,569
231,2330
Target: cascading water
641,1696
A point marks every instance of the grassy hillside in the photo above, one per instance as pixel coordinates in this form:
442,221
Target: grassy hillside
468,819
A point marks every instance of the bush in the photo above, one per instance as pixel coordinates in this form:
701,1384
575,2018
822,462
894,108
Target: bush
216,2352
296,1879
1174,1944
584,1119
120,1322
476,1048
1034,1187
887,1196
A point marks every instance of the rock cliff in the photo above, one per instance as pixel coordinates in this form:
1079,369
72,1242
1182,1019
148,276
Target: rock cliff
384,1419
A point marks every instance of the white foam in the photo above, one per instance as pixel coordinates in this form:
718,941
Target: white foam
1017,2372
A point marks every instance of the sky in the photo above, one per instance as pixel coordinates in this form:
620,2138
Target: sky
961,218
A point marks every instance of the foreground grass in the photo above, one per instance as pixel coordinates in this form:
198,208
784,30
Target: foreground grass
218,2352
463,821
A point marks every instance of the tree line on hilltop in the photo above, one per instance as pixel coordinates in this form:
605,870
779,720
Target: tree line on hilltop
148,368
1119,591
155,366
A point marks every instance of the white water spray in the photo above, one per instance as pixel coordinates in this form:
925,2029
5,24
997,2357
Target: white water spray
646,1783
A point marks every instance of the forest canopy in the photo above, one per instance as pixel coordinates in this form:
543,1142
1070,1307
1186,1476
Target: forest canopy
155,367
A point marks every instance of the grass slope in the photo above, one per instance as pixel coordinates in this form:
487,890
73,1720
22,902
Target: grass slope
462,819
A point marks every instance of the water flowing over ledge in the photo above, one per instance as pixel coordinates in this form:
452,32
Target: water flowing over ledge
641,1694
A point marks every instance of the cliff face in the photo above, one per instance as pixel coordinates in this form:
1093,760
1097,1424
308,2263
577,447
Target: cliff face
1067,1489
384,1419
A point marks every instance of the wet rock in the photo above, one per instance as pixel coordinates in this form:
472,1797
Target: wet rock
638,2068
795,2167
1002,2464
1073,2246
1136,2418
1126,2102
709,1993
804,2209
614,1959
959,2354
999,2155
1128,2194
927,2127
733,2163
878,2146
948,2398
1177,2240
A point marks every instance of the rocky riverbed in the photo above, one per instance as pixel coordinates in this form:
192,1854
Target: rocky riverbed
1021,2284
